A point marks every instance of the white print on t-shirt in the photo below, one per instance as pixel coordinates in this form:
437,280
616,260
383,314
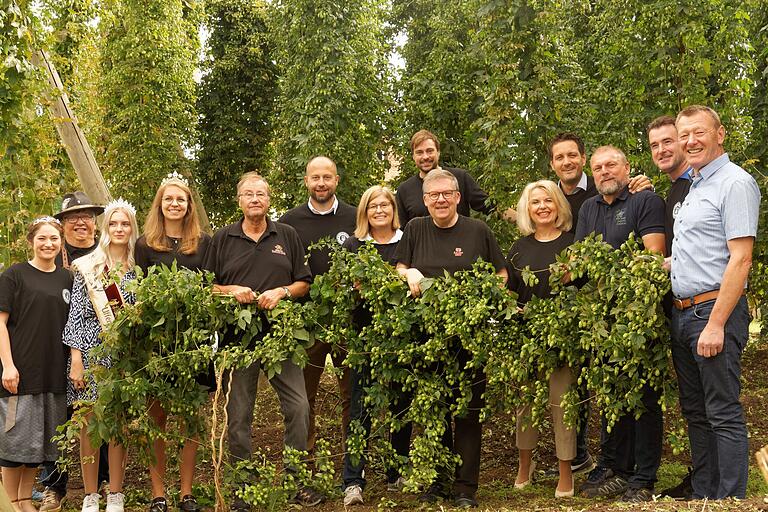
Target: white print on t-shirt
278,250
458,252
621,217
676,209
65,295
341,237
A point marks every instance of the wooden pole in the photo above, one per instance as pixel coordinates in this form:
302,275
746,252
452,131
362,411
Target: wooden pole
73,138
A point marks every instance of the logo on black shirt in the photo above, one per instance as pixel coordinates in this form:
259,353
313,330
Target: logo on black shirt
341,237
458,252
65,294
278,250
676,209
621,217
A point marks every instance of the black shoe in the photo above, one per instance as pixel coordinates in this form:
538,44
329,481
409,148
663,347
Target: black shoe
615,486
434,493
637,495
239,505
465,500
682,491
577,467
596,478
158,505
307,497
189,504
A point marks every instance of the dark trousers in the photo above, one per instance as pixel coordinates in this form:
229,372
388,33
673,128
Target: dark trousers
633,447
709,399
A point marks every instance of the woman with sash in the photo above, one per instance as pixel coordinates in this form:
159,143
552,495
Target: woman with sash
34,302
97,293
172,233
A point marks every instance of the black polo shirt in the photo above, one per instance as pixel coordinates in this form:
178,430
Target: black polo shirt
677,194
641,213
577,199
432,250
410,197
275,259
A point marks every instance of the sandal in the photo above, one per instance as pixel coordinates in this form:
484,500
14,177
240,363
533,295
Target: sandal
189,504
158,505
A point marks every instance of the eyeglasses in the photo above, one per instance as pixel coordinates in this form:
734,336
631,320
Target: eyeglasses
697,134
434,196
379,206
248,196
178,200
74,219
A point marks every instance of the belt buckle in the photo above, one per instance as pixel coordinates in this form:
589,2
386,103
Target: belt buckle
678,303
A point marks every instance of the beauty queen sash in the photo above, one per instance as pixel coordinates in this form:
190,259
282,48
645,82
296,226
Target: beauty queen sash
102,290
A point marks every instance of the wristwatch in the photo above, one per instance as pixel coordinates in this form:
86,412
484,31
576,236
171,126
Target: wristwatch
287,292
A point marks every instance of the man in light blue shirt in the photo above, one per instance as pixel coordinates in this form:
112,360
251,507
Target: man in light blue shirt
714,234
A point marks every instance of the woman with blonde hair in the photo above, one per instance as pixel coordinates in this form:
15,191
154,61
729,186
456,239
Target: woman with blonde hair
97,294
172,233
544,217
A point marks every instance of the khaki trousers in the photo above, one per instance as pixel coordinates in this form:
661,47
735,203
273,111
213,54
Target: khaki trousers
312,372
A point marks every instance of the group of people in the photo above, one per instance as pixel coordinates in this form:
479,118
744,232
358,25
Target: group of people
705,229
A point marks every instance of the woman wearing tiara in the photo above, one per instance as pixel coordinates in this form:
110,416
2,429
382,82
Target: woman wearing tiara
100,279
34,301
172,233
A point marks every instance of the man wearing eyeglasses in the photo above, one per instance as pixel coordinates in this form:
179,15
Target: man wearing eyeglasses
78,216
448,241
714,234
324,215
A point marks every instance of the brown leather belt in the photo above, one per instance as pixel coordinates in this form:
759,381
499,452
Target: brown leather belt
697,299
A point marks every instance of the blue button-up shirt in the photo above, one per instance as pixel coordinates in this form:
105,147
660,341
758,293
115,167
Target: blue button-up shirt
723,204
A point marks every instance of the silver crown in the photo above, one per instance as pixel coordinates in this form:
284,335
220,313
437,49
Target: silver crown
119,203
174,176
45,219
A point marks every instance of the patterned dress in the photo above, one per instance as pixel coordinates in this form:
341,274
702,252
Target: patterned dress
82,332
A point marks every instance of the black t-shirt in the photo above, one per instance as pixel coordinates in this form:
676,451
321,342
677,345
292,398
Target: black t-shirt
577,199
537,256
386,251
641,213
432,250
677,194
146,256
38,304
73,253
311,227
410,197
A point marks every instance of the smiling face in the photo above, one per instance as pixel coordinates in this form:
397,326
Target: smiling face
46,243
701,138
253,198
380,212
119,228
611,172
666,149
567,162
542,208
426,155
441,199
174,203
321,180
80,228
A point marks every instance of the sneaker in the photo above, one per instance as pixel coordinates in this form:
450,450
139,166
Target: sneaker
611,488
307,497
682,491
91,502
158,504
353,495
398,485
189,504
51,501
115,502
434,493
637,495
465,500
596,478
584,466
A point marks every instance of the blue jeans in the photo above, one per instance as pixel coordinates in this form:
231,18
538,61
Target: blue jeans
709,399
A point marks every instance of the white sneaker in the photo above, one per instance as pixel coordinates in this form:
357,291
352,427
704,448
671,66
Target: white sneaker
91,502
353,495
115,502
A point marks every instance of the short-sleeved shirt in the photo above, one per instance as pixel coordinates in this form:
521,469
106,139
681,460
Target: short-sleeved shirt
146,256
579,196
537,256
641,213
432,250
677,194
37,304
312,227
723,204
410,197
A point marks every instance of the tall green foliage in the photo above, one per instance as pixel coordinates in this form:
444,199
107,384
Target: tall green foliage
236,101
148,93
334,93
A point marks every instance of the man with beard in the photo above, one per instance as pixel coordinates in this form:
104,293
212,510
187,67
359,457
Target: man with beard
631,453
425,150
323,216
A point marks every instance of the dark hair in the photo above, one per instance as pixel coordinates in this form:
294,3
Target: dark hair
564,136
36,224
422,135
659,122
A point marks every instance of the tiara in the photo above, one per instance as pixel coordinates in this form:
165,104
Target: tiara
174,176
119,203
45,219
